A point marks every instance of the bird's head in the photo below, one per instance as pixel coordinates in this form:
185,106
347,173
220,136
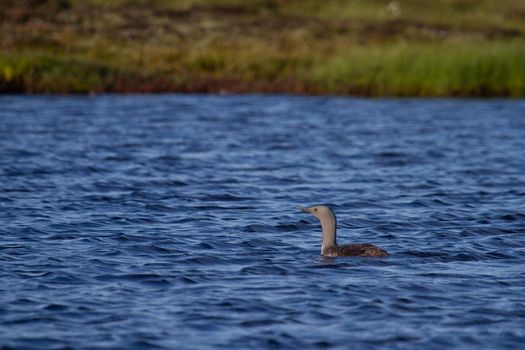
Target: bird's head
319,211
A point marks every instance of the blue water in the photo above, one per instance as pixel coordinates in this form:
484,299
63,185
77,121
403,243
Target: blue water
170,222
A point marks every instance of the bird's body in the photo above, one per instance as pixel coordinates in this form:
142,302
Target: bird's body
356,249
330,247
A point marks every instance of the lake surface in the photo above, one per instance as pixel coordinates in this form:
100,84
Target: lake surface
170,222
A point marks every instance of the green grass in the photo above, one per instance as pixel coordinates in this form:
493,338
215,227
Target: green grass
496,69
359,47
53,74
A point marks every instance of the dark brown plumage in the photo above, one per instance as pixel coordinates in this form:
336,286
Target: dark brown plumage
356,249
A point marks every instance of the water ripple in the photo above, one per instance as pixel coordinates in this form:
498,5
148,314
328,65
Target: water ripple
162,222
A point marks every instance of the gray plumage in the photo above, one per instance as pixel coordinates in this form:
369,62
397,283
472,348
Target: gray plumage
330,247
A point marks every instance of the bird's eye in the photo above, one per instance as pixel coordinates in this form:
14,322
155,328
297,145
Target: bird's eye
315,209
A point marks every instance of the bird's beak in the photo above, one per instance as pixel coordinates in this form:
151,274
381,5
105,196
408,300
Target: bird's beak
306,210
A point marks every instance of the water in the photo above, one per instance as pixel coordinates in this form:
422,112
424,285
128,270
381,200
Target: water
170,222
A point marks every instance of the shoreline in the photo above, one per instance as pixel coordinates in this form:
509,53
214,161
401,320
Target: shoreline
320,48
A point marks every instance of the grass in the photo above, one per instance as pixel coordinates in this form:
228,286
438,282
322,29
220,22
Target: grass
423,70
358,47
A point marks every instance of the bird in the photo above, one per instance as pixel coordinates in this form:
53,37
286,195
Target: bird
329,246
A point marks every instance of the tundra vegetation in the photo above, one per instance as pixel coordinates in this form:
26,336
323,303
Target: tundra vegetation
356,47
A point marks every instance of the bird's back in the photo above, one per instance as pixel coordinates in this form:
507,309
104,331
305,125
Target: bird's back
357,249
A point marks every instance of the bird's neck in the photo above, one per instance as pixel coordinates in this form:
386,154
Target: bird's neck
329,226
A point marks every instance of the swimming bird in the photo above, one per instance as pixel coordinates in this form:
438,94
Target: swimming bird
329,226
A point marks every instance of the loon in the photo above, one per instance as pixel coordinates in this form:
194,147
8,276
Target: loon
330,247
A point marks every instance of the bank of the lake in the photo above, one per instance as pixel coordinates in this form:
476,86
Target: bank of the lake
381,48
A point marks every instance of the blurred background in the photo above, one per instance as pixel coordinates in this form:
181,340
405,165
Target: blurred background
348,47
